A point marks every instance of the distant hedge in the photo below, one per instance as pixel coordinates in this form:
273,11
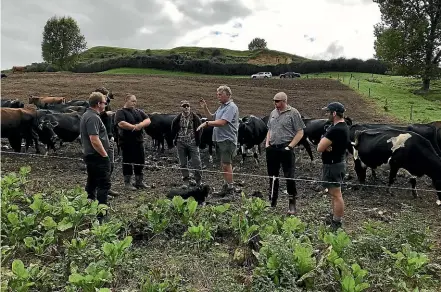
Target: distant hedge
214,67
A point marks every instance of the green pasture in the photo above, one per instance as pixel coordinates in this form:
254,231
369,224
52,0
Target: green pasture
394,95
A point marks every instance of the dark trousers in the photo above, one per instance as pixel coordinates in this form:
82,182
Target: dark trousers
98,177
133,153
276,156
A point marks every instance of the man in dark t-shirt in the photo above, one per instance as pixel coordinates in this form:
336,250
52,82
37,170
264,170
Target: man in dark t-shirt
95,144
131,121
333,146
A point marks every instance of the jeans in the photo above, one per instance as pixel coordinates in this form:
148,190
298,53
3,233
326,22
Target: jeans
133,153
276,156
98,177
189,152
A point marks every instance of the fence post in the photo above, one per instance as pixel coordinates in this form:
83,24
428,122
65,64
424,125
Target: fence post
343,78
358,86
411,113
369,92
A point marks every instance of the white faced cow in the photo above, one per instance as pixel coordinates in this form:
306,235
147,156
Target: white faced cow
397,149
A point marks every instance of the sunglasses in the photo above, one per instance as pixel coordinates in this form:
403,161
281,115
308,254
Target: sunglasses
185,105
277,101
103,102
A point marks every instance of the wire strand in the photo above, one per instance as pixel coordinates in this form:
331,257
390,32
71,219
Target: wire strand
234,173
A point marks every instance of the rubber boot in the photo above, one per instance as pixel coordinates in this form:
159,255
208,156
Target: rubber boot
127,184
138,182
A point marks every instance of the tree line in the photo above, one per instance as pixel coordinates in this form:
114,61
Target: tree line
204,66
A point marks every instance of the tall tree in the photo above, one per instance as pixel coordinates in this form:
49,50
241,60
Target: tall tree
408,38
257,43
62,42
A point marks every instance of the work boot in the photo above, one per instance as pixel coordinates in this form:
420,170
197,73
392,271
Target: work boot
292,207
225,191
335,225
113,193
127,184
138,182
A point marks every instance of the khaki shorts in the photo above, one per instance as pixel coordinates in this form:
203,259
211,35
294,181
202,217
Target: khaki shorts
225,151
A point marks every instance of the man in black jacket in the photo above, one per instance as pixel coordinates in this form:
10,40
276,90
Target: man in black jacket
187,141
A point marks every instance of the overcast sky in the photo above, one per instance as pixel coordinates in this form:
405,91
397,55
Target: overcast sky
317,29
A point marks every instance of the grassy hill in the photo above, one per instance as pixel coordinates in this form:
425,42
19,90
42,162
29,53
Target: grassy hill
261,57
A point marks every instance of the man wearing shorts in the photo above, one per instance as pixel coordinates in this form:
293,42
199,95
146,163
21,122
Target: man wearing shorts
226,123
333,146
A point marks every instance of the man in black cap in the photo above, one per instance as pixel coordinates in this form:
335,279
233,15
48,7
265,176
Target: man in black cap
333,146
187,140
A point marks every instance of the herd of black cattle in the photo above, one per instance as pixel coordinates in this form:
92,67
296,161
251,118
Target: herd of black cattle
414,147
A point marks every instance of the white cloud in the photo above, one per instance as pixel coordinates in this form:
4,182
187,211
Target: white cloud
285,23
314,28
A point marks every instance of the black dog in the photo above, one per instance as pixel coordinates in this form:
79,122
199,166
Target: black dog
199,193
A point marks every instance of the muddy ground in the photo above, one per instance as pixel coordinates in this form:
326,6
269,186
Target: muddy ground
162,94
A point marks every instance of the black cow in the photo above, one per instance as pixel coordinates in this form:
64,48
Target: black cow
397,149
64,108
78,102
67,127
17,124
12,103
108,118
199,193
313,132
251,133
4,75
428,131
207,140
160,129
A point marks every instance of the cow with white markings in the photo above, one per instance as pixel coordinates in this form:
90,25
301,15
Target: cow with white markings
252,132
397,150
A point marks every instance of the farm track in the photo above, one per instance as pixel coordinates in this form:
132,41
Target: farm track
162,94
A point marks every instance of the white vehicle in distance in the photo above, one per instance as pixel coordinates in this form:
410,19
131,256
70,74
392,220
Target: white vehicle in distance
262,75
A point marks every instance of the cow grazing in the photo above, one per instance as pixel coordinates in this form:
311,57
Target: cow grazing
207,140
397,149
17,124
251,133
12,103
67,127
42,101
160,129
199,193
4,75
18,69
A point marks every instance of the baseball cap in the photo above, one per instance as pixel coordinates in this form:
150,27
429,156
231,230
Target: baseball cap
280,96
335,107
185,102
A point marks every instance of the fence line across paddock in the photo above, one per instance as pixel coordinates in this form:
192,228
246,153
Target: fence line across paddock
221,172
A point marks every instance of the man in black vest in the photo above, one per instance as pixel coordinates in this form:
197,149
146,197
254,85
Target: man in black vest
131,121
187,141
